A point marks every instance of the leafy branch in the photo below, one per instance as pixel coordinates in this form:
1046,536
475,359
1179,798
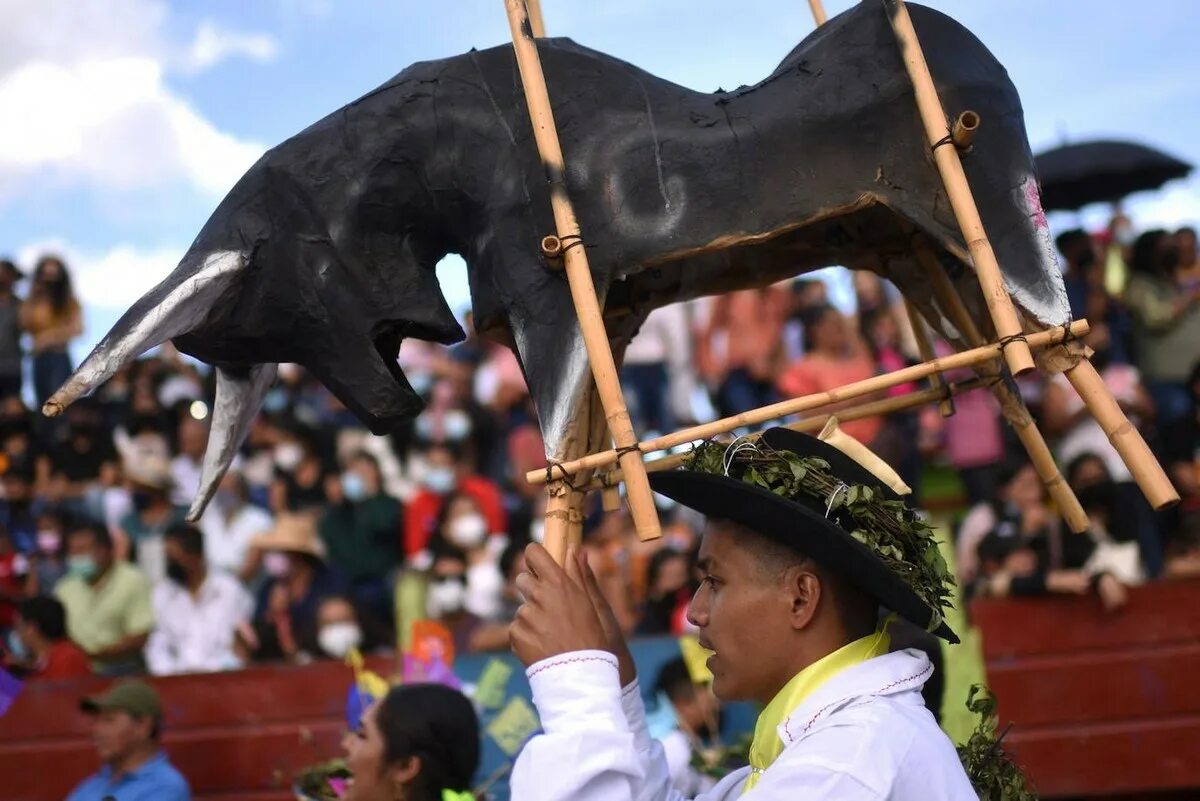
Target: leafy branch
993,774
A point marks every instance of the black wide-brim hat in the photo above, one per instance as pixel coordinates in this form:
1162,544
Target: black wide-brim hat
801,523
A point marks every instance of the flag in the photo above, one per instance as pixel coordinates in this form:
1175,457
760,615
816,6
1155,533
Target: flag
10,688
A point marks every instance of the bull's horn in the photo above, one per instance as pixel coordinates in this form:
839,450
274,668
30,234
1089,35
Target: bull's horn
172,308
239,396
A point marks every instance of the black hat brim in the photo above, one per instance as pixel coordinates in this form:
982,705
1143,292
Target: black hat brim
801,527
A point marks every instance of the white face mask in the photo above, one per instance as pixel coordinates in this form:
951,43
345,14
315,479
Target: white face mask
446,596
336,639
288,456
537,530
468,531
276,564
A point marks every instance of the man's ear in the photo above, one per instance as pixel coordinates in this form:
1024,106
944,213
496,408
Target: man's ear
404,771
803,586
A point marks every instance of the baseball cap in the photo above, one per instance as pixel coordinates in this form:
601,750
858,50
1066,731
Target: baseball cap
135,697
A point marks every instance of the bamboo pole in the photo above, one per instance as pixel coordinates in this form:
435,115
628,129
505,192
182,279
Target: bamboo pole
579,276
857,389
1011,404
536,23
818,12
1124,437
925,349
910,400
937,129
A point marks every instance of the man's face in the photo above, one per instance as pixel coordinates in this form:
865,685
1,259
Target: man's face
743,615
116,734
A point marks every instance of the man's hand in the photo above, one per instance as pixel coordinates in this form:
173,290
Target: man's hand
558,616
608,620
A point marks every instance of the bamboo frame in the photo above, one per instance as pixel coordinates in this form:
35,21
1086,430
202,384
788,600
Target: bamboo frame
818,12
856,389
925,349
910,400
579,277
1004,315
1011,404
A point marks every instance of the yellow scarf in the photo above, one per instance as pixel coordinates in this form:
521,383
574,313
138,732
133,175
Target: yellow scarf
767,746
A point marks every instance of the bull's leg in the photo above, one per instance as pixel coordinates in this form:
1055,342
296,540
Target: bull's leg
586,433
1011,405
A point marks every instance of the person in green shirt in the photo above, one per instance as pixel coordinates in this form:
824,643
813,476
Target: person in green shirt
109,613
360,528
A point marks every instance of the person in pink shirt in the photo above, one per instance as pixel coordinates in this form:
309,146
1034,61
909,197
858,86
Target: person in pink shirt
834,356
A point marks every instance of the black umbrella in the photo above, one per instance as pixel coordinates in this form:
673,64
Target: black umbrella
1073,176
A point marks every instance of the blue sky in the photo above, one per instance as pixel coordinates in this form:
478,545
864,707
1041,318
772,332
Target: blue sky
127,120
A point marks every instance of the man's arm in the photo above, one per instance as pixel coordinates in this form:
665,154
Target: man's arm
595,744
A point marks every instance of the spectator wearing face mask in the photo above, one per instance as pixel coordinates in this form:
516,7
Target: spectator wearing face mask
198,610
48,565
43,649
83,459
462,533
359,528
493,635
340,628
445,602
299,482
109,611
140,533
229,525
285,617
444,473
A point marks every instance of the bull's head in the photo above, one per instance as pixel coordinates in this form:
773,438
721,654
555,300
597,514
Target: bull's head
295,265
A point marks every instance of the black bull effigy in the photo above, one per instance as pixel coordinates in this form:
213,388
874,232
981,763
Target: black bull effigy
324,252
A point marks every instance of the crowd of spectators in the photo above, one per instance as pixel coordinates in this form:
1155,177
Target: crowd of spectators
323,538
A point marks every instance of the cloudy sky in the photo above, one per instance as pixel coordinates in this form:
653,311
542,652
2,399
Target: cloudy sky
126,121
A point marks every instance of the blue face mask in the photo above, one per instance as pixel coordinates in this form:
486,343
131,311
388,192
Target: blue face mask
82,566
440,480
16,647
354,487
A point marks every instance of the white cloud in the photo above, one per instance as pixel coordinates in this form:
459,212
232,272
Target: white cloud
114,123
213,45
110,279
86,101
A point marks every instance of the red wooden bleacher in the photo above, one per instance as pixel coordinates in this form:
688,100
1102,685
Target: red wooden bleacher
236,736
1101,704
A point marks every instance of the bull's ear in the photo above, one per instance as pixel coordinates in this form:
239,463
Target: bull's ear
177,305
240,393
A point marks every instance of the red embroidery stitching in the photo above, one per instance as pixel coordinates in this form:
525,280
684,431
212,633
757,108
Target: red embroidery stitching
886,687
569,661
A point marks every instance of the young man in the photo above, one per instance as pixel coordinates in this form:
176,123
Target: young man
126,727
789,605
42,630
198,610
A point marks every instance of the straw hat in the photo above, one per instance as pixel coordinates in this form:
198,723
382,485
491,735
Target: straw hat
294,533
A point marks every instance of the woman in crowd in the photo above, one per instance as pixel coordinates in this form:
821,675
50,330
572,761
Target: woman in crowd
285,620
52,317
420,743
462,533
834,356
